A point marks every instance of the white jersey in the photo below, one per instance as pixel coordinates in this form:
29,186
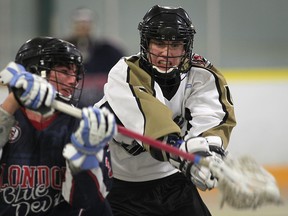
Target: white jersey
201,103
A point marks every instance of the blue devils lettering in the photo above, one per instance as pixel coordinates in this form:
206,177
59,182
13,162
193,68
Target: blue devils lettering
31,188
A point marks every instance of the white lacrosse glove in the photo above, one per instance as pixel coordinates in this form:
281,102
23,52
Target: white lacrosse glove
200,175
33,91
96,129
11,70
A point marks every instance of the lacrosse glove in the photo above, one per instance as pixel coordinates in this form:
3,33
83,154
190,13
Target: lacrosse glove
29,89
96,129
210,148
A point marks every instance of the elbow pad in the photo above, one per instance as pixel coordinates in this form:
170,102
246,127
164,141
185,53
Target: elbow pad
7,121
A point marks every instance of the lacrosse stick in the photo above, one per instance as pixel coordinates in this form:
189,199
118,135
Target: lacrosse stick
242,182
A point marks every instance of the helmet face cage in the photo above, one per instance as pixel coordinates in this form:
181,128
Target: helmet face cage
42,54
167,24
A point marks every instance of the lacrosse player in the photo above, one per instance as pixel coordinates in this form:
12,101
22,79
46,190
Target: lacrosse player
168,93
51,163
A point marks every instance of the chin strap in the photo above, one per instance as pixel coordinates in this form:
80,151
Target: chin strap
164,71
64,98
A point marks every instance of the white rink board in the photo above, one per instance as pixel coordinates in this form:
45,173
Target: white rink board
262,116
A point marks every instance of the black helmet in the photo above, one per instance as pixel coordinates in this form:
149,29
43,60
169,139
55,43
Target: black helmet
167,24
39,55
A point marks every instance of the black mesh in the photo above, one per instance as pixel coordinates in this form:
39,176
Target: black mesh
167,24
44,53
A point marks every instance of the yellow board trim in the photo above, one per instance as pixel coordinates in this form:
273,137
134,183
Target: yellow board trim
259,75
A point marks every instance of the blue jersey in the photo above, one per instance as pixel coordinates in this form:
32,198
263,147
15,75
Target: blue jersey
33,171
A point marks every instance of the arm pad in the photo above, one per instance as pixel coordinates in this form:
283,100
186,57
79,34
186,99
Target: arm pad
6,123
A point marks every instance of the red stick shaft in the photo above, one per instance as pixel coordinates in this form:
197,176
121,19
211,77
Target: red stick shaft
76,112
157,144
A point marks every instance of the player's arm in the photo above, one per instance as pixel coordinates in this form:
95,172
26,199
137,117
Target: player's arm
227,121
35,91
30,90
89,173
7,119
9,105
210,125
210,106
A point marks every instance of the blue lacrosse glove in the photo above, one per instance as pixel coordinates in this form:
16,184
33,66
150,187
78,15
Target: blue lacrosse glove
29,89
96,129
11,70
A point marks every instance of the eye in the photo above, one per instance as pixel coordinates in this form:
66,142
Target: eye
71,71
176,45
160,43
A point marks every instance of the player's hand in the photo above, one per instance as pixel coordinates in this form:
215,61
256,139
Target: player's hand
30,90
200,175
96,129
9,71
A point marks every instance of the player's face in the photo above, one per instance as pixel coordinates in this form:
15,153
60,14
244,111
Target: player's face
82,28
64,79
165,54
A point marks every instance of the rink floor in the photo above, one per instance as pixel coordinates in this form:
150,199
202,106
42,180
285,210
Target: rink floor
213,199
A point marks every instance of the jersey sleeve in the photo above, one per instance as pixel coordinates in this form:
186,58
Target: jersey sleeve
209,106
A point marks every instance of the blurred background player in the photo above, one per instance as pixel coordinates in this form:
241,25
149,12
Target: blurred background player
99,55
36,141
168,93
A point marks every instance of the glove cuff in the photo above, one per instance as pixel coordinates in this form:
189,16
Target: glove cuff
196,145
216,145
87,150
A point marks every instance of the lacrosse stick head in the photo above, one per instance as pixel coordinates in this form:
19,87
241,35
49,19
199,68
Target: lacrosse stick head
244,184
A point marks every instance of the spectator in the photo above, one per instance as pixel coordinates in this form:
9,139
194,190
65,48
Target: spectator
99,55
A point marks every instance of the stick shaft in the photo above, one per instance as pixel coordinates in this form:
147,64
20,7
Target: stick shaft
76,112
67,109
157,144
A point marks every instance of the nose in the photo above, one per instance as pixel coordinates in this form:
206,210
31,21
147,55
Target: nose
70,76
71,80
165,50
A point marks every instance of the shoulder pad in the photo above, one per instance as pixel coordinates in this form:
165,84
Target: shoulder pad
199,60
